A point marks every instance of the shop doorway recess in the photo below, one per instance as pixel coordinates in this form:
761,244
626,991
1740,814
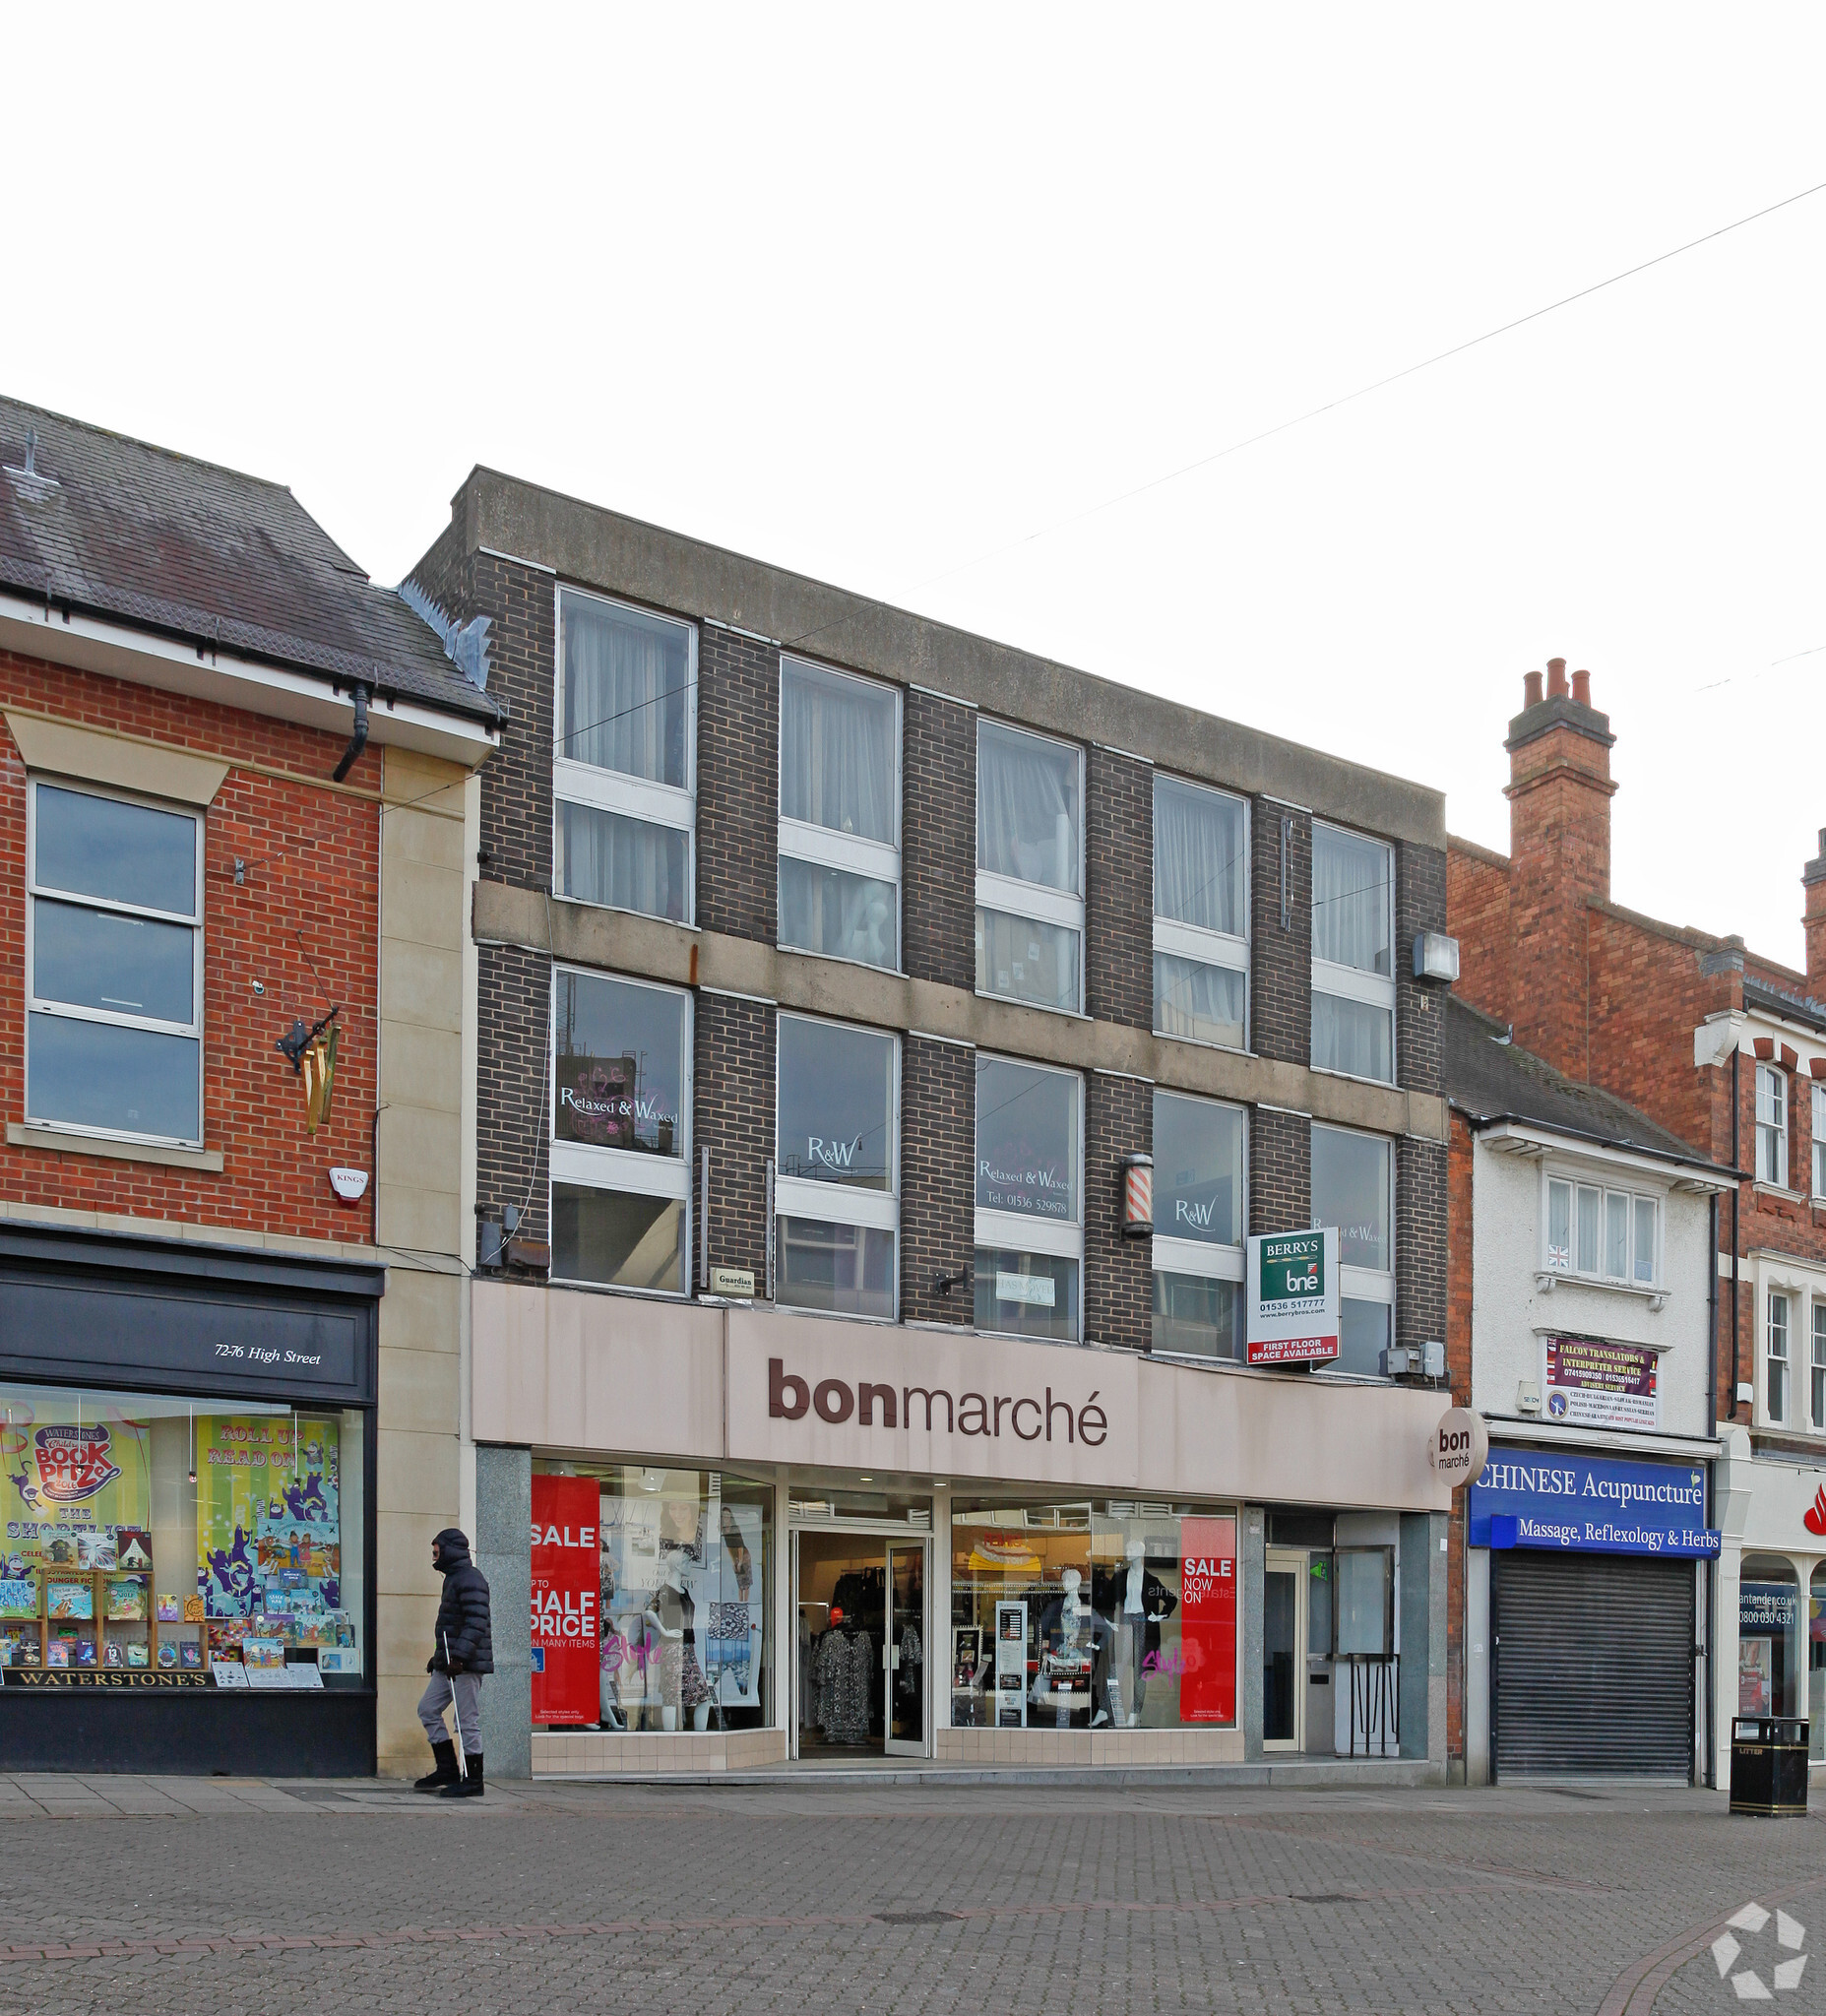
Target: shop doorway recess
860,1671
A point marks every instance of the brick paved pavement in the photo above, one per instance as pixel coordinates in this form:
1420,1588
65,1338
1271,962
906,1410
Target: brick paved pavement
232,1896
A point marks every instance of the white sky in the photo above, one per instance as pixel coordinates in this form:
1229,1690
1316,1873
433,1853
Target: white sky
873,296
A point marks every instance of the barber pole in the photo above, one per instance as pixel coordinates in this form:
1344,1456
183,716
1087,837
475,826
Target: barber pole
1137,1196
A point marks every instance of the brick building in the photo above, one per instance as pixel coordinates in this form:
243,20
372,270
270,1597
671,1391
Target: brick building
234,780
839,975
1727,1051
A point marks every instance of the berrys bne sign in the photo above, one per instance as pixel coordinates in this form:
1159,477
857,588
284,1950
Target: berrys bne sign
1292,1281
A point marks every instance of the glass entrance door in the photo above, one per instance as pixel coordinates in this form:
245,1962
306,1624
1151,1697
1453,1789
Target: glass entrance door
904,1650
1284,1650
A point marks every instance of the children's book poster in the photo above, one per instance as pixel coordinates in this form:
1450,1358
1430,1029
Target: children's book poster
269,1513
70,1479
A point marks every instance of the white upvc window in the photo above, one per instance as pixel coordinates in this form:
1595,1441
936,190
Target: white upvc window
621,1132
1200,1211
1775,1361
839,815
1819,1140
837,1168
1352,954
1601,1233
623,768
1030,868
113,965
1817,1382
1028,1262
1201,914
1771,1125
1353,1189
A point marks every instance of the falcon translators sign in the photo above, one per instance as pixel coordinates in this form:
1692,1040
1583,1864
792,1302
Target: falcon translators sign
1292,1284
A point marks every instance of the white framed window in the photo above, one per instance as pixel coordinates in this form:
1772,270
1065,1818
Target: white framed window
839,815
837,1168
1603,1233
114,965
1029,1199
622,1132
1817,1383
1819,1139
1352,954
1030,868
1201,914
623,769
1353,1189
1775,1364
1198,1214
1771,1125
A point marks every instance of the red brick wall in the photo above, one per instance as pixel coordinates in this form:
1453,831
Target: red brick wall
312,858
1478,916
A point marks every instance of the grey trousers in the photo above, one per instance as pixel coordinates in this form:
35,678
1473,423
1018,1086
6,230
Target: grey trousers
466,1689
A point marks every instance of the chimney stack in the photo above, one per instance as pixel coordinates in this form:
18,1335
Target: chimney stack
1814,881
1560,849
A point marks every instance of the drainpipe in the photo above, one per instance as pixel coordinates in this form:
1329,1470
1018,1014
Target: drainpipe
359,740
1737,1189
1712,1416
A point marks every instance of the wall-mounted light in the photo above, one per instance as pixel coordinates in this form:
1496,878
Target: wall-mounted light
1435,957
1137,1196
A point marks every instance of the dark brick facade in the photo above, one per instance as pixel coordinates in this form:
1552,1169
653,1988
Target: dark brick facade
1280,1171
1279,956
1419,1005
512,1122
1419,1241
938,1157
733,1117
1119,888
738,785
1118,1273
938,840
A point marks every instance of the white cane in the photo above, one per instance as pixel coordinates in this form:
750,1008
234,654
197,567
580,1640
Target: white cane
462,1754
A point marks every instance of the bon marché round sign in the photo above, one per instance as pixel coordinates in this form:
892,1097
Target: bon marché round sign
1459,1447
1293,1285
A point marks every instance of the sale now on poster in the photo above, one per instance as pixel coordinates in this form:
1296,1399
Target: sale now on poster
1208,1620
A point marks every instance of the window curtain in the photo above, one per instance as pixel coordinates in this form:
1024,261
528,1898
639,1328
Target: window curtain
1026,811
625,698
623,863
1198,867
1350,901
1203,1003
837,755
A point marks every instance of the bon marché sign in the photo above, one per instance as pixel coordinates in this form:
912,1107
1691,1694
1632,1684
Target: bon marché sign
1591,1504
1595,1384
1293,1301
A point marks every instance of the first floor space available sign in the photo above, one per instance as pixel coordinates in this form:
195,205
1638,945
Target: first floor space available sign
1591,1504
1292,1286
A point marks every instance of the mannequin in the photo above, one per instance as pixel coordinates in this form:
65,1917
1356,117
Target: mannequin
1075,1644
674,1614
1136,1602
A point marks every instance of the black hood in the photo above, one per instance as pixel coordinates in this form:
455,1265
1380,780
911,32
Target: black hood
452,1550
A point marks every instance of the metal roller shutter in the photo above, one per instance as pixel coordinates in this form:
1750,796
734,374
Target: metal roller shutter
1592,1669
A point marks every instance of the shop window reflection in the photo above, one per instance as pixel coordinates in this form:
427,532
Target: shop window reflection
1769,1637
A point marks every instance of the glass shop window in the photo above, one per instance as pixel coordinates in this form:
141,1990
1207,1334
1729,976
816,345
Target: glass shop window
835,1183
1029,1218
1769,1660
1087,1615
620,1147
1352,954
1201,911
839,815
650,1600
192,1543
1030,868
1354,1188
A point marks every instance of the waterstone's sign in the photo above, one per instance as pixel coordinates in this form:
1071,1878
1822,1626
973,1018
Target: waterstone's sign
1590,1504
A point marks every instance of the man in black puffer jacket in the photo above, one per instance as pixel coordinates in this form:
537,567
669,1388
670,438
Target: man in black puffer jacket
464,1652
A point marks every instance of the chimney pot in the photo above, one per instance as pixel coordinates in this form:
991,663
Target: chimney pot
1556,678
1582,688
1531,690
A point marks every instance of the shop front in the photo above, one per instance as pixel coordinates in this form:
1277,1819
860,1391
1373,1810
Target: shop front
1587,1579
187,1508
760,1538
1772,1601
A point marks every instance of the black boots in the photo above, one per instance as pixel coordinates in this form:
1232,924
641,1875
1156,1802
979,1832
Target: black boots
444,1772
470,1786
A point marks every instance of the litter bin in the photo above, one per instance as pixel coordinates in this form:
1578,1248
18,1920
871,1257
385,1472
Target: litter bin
1769,1767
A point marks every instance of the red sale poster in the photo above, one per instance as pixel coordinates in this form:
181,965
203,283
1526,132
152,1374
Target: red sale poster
566,1580
1208,1620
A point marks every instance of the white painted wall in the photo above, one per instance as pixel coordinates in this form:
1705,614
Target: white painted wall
1510,1313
